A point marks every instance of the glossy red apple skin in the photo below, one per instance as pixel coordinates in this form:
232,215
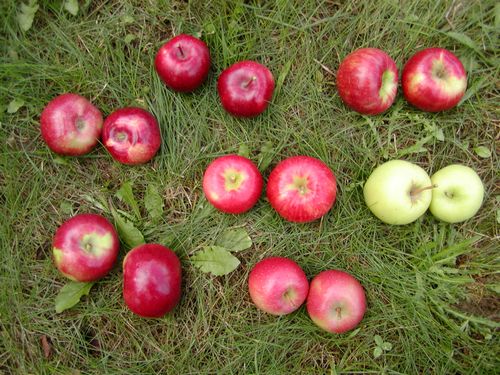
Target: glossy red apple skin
314,195
131,135
71,125
245,88
367,81
183,63
336,301
152,279
85,247
233,197
278,285
434,80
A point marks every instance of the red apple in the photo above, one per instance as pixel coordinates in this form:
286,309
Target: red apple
434,80
367,81
336,301
71,125
151,280
278,286
301,188
232,184
245,88
85,247
183,63
131,135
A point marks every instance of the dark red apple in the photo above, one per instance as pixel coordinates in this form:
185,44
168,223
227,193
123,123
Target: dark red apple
336,301
85,247
131,135
277,285
434,80
151,280
367,81
71,125
301,188
183,63
232,184
245,88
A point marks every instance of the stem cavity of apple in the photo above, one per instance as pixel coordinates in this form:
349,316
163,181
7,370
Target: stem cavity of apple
338,310
181,51
80,123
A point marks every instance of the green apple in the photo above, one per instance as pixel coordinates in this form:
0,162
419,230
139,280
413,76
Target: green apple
398,192
458,193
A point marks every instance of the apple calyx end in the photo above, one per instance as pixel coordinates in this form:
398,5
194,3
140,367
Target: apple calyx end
338,310
79,123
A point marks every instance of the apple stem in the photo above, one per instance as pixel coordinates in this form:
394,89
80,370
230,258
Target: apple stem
232,179
181,51
418,191
339,312
249,82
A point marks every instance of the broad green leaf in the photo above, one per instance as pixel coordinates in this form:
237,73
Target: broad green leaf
464,39
71,6
353,333
100,204
127,231
129,38
14,105
266,156
377,352
216,260
416,148
498,216
66,207
153,202
378,340
244,150
209,28
387,346
70,295
26,15
283,75
61,160
125,194
127,18
234,240
482,152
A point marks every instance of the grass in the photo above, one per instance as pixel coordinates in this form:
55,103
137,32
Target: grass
430,294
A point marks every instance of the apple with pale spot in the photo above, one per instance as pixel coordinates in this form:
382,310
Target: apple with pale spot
367,81
278,285
85,247
152,278
71,125
336,301
232,184
434,80
301,188
457,195
131,135
398,192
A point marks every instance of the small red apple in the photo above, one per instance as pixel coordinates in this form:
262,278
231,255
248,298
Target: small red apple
277,285
131,135
232,184
71,125
367,81
183,63
434,80
85,247
151,280
301,188
336,301
245,88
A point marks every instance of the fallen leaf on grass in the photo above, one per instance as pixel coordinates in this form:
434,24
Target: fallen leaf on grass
215,260
70,295
47,348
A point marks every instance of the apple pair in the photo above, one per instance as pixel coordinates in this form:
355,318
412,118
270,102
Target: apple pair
71,125
399,192
245,88
336,301
300,188
433,80
85,248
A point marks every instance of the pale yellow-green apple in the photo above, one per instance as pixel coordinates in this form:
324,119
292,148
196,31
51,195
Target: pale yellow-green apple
398,192
457,195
